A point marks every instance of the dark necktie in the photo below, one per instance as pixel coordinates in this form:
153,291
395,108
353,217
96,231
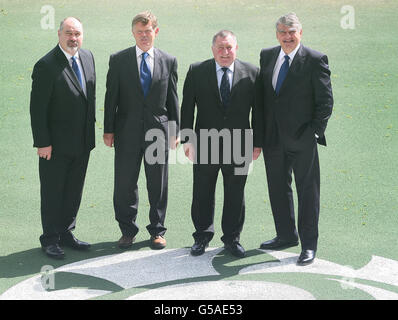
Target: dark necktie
75,68
225,90
145,74
282,74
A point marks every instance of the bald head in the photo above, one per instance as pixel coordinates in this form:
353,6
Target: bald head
70,20
70,35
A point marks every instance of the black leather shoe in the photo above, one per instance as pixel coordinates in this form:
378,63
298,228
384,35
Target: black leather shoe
235,249
69,240
306,257
199,247
54,251
278,243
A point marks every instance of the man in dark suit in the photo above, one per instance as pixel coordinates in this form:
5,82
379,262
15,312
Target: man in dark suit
294,107
222,90
141,99
62,109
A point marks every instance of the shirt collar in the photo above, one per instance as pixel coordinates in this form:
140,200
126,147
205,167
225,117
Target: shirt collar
230,68
291,54
67,55
139,52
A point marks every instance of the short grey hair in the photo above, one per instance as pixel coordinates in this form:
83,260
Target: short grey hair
223,34
289,20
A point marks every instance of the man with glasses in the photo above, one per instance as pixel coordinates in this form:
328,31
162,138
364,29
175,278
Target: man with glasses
295,105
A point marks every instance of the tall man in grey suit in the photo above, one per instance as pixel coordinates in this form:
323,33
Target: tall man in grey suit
295,105
222,92
141,99
62,108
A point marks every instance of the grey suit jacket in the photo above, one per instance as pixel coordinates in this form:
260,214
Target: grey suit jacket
128,114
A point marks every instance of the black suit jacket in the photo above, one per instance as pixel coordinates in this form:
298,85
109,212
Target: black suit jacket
61,114
304,103
201,91
128,114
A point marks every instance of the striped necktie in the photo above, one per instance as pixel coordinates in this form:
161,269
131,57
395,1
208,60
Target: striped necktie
76,69
225,90
282,74
145,74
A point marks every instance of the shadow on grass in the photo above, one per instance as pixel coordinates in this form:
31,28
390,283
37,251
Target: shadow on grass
30,262
226,265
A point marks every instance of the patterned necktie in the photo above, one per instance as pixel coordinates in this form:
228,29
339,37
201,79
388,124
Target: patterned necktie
76,69
282,74
145,74
225,90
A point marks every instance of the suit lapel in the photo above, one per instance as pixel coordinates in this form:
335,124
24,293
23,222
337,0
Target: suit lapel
157,67
64,63
297,61
236,77
84,59
269,71
212,77
294,68
133,66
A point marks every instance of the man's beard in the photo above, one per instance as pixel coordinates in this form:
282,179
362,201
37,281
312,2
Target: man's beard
72,46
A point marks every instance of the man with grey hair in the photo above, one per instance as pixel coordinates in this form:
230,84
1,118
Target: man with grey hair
290,20
295,101
222,90
62,108
141,97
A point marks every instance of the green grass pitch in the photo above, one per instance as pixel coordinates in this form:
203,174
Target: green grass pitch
359,183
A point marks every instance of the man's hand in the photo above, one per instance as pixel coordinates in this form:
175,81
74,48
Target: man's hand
189,151
174,141
109,139
256,153
45,152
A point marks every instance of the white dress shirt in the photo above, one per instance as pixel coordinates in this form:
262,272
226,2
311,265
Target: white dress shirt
69,58
149,59
220,73
280,61
278,65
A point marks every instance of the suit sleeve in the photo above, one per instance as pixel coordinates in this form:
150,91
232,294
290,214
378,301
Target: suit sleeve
323,96
94,87
40,98
188,103
172,104
258,112
111,96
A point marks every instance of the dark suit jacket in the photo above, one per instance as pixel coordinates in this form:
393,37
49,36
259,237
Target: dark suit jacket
304,103
61,115
128,114
201,91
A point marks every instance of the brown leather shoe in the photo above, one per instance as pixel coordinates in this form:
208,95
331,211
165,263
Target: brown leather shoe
125,242
158,242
